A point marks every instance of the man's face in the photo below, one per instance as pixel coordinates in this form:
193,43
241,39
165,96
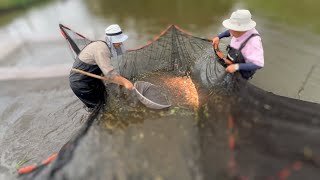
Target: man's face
117,45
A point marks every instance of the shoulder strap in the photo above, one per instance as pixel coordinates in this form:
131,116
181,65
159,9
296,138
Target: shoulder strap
246,41
101,41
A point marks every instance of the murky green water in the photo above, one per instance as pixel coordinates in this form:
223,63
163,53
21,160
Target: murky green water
294,13
11,10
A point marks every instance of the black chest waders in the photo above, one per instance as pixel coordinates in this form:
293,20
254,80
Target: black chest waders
89,90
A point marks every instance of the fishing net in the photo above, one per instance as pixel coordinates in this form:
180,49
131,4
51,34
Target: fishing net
75,40
243,132
173,50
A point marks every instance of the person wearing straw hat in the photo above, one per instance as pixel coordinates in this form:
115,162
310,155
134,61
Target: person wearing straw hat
95,59
245,51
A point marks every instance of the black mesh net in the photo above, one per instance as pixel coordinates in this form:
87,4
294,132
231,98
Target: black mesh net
243,132
174,50
75,40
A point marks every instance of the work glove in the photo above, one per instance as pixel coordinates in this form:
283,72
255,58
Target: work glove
128,85
232,68
215,42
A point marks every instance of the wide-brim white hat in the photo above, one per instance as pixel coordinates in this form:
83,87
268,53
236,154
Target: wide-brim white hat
115,34
240,20
118,38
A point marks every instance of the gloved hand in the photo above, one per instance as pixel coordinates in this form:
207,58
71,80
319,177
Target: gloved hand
215,42
128,85
227,61
232,68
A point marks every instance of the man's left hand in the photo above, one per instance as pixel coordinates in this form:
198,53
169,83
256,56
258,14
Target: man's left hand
232,68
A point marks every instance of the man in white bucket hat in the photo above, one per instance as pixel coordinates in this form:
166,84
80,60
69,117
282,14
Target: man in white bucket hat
245,52
95,59
115,39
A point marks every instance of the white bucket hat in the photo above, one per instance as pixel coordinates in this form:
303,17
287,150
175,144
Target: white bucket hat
240,20
114,34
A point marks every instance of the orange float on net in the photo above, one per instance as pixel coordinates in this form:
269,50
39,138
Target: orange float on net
284,174
297,166
26,169
50,159
232,143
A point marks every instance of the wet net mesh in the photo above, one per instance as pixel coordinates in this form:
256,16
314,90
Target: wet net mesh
75,40
244,132
173,50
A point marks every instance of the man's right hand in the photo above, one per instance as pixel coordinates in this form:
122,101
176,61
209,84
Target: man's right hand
123,81
215,42
128,85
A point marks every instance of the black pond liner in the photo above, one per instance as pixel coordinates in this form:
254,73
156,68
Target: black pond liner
244,131
65,154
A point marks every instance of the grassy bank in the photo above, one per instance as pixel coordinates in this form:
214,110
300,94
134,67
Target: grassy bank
13,4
